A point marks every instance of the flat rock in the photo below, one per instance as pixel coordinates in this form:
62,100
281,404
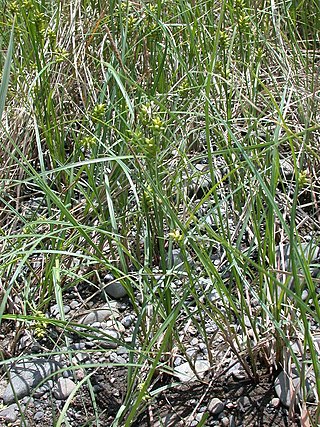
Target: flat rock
236,370
101,314
109,343
9,414
63,388
96,316
286,386
25,376
38,416
40,391
105,338
185,373
55,311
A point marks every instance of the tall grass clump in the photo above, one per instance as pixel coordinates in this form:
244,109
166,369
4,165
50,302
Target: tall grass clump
135,131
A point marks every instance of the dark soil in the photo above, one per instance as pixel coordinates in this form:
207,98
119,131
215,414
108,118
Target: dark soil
247,404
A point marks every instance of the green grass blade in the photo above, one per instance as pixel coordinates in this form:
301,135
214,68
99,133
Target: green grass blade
6,74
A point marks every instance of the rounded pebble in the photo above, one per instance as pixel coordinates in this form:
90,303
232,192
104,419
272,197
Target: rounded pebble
127,320
225,422
275,402
216,406
63,388
38,416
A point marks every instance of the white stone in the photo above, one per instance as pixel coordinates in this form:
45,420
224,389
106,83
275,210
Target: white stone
96,316
185,373
275,402
63,388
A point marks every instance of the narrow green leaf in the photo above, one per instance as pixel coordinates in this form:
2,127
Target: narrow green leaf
6,74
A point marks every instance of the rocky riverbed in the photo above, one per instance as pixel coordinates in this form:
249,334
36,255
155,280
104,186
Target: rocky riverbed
77,374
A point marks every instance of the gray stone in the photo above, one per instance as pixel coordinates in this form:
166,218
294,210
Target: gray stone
122,351
63,388
225,422
243,403
216,406
25,376
185,373
169,420
106,339
54,310
113,324
282,387
232,421
247,321
80,358
108,344
9,414
286,387
191,352
27,400
25,341
40,391
231,405
128,320
177,260
3,386
113,287
66,309
286,167
98,325
203,348
198,417
38,416
96,316
79,346
115,358
62,357
304,295
122,307
177,361
237,371
74,304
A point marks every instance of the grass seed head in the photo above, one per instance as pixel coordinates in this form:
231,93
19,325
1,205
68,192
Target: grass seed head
99,112
176,235
157,125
